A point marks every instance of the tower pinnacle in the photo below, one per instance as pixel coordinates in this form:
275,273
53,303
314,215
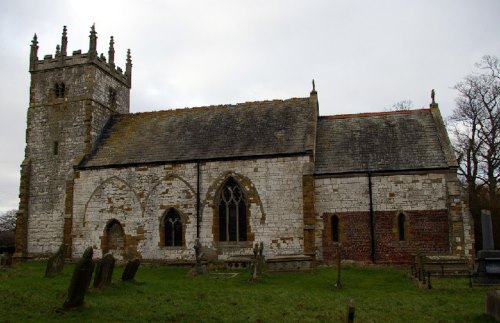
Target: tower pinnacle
111,52
93,42
64,42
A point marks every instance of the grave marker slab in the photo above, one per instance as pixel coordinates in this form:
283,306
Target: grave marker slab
55,264
80,280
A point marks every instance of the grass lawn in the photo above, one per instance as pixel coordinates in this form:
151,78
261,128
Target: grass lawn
166,294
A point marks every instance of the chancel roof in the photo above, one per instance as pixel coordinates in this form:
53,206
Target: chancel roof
252,129
387,141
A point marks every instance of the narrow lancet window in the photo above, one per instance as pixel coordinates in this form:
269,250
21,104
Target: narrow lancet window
335,228
401,226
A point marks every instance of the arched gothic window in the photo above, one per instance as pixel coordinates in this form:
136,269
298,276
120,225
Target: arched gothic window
401,226
232,213
335,228
172,224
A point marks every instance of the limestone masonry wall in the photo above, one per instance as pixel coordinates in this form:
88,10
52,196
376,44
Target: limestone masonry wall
138,197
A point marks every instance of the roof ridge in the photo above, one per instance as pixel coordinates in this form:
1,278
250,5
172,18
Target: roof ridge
373,114
220,106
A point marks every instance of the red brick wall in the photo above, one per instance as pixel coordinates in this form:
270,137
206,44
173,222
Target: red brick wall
427,230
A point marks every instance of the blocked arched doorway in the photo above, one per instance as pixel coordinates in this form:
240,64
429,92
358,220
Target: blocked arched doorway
114,239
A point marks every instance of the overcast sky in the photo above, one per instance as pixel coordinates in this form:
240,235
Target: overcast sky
364,55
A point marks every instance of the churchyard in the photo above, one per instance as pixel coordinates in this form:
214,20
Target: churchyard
168,294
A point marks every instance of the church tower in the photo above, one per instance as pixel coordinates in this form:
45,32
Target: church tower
71,100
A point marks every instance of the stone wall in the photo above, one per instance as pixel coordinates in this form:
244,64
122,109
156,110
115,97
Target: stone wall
138,197
423,199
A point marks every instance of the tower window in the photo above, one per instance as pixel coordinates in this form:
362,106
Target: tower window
59,90
55,148
112,97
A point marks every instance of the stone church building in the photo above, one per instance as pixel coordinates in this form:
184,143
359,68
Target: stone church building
381,185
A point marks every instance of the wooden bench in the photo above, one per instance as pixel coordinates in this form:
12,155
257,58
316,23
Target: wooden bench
425,266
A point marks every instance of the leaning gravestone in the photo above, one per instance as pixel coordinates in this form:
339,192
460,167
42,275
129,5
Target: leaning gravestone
80,280
55,263
104,271
131,270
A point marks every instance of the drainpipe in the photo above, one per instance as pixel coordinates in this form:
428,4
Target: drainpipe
198,199
372,216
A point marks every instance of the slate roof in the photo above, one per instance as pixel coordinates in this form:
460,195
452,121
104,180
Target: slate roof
402,140
248,129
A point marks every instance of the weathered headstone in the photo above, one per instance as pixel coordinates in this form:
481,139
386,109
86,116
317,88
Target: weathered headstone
258,261
131,269
200,269
339,266
104,271
487,230
261,260
55,264
254,261
350,312
493,304
80,280
5,259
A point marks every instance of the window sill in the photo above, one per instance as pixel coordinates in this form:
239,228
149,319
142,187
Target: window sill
233,244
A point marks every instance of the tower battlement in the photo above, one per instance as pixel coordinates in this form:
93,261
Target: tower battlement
61,59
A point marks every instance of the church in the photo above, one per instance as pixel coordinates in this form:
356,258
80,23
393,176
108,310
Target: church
376,187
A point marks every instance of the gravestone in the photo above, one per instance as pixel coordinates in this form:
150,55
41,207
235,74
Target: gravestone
338,284
5,260
55,264
200,269
487,230
131,270
80,280
258,261
104,271
350,312
488,259
493,304
261,260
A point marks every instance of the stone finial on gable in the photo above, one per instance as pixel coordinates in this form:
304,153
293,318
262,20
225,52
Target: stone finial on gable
314,88
433,102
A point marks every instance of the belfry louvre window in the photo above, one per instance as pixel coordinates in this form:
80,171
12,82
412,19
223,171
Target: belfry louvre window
173,228
232,213
59,90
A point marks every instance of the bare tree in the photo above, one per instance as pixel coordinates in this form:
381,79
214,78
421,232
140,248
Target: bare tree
475,127
8,221
402,105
